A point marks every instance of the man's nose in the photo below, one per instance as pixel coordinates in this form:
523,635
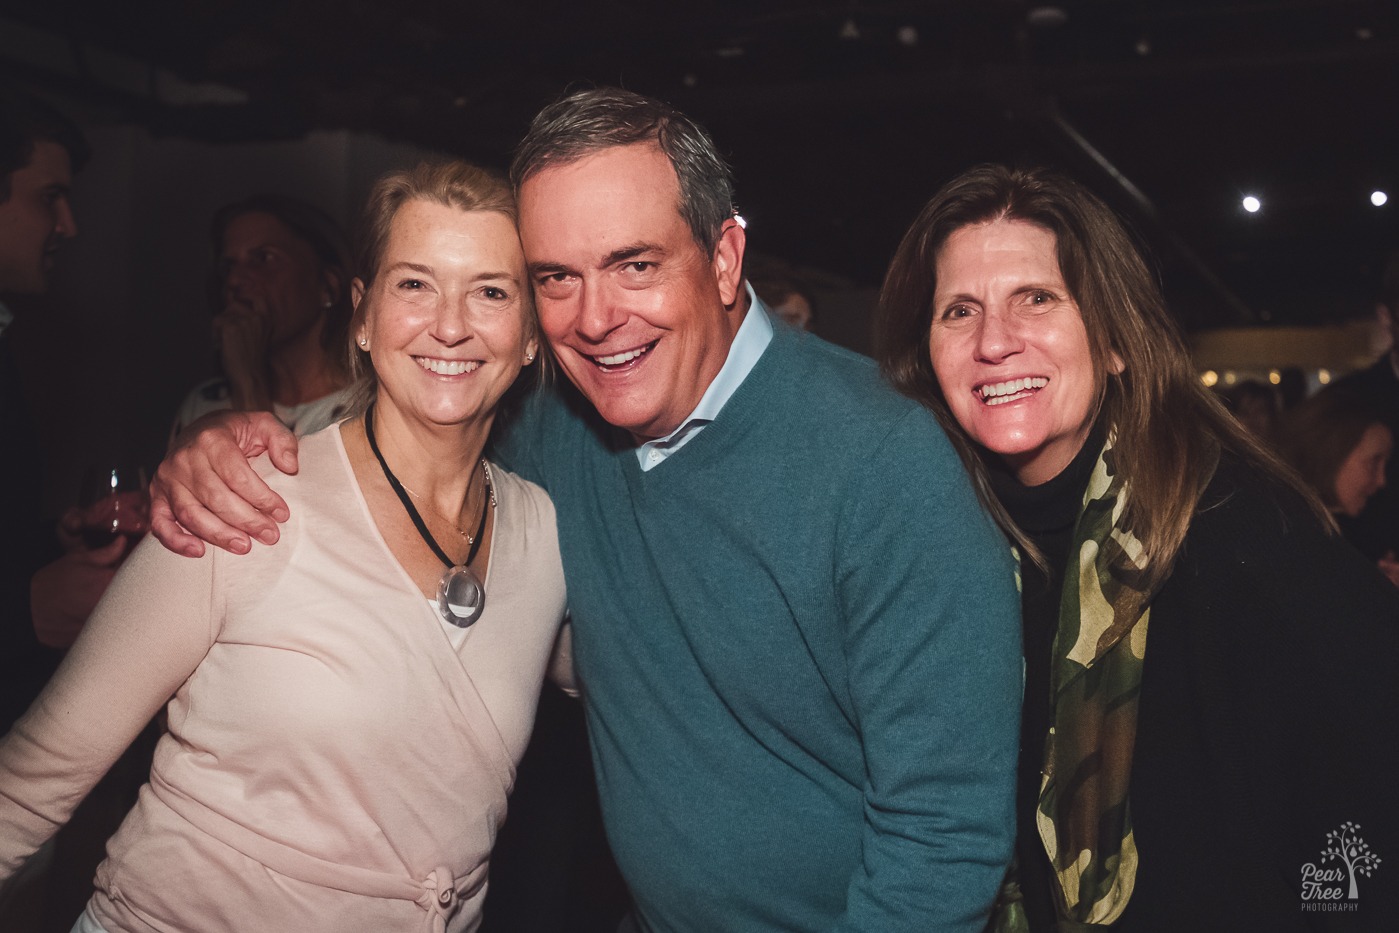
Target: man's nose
65,225
598,312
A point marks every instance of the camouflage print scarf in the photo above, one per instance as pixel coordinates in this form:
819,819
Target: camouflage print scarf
1084,818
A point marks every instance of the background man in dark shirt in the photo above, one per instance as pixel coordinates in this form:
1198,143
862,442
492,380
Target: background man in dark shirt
39,151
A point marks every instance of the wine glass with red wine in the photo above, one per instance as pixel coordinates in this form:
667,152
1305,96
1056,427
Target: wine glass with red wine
113,501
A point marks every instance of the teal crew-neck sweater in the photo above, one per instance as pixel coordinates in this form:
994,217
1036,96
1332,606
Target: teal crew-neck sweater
798,644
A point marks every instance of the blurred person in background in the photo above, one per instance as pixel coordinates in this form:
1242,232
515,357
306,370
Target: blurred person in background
1255,405
281,293
1341,445
40,149
781,290
1375,531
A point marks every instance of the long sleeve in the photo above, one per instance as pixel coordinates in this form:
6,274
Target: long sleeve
149,632
933,648
1266,713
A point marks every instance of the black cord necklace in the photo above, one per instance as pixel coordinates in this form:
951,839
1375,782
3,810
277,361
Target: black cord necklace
461,597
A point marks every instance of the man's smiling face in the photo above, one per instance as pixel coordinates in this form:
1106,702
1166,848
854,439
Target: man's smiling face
638,316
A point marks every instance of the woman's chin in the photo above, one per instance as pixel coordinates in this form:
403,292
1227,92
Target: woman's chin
1036,463
1011,446
445,415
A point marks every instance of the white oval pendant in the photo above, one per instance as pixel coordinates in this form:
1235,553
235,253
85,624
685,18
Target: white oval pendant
460,596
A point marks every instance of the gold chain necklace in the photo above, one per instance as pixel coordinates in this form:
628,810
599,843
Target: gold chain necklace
465,535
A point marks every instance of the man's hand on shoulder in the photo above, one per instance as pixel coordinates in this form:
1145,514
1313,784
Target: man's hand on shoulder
205,489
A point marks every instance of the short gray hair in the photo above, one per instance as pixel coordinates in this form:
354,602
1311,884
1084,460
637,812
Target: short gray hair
584,122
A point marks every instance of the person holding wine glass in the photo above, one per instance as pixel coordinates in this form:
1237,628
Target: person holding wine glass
112,503
409,616
112,514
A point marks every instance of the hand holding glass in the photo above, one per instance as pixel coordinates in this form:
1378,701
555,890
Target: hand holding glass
111,502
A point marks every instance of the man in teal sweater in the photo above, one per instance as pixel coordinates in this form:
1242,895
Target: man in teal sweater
795,630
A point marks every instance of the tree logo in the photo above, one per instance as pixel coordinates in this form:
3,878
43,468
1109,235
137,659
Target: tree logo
1335,887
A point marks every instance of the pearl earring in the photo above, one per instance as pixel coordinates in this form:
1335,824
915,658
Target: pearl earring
364,341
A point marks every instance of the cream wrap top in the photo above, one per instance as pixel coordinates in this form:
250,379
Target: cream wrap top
331,762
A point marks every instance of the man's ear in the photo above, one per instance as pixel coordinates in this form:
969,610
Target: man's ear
728,262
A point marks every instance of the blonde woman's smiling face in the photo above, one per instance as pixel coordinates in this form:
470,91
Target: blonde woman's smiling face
447,326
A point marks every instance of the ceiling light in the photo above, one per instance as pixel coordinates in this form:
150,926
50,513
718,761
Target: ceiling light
1252,204
1045,17
1379,198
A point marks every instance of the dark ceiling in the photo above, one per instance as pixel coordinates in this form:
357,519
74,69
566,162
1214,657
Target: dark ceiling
841,118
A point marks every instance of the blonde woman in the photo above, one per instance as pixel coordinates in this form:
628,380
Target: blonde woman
348,708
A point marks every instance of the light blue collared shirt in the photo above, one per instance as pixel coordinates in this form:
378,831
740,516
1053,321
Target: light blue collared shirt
753,337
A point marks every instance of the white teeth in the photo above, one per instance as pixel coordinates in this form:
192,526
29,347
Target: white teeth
617,359
448,367
1002,392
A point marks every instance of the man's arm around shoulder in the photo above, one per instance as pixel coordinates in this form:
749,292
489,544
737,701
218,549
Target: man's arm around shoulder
205,489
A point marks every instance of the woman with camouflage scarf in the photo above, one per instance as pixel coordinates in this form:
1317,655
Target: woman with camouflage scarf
1182,782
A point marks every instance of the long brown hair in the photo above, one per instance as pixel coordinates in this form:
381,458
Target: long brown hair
1165,423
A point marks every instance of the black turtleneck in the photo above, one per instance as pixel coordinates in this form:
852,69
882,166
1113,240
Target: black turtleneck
1047,514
